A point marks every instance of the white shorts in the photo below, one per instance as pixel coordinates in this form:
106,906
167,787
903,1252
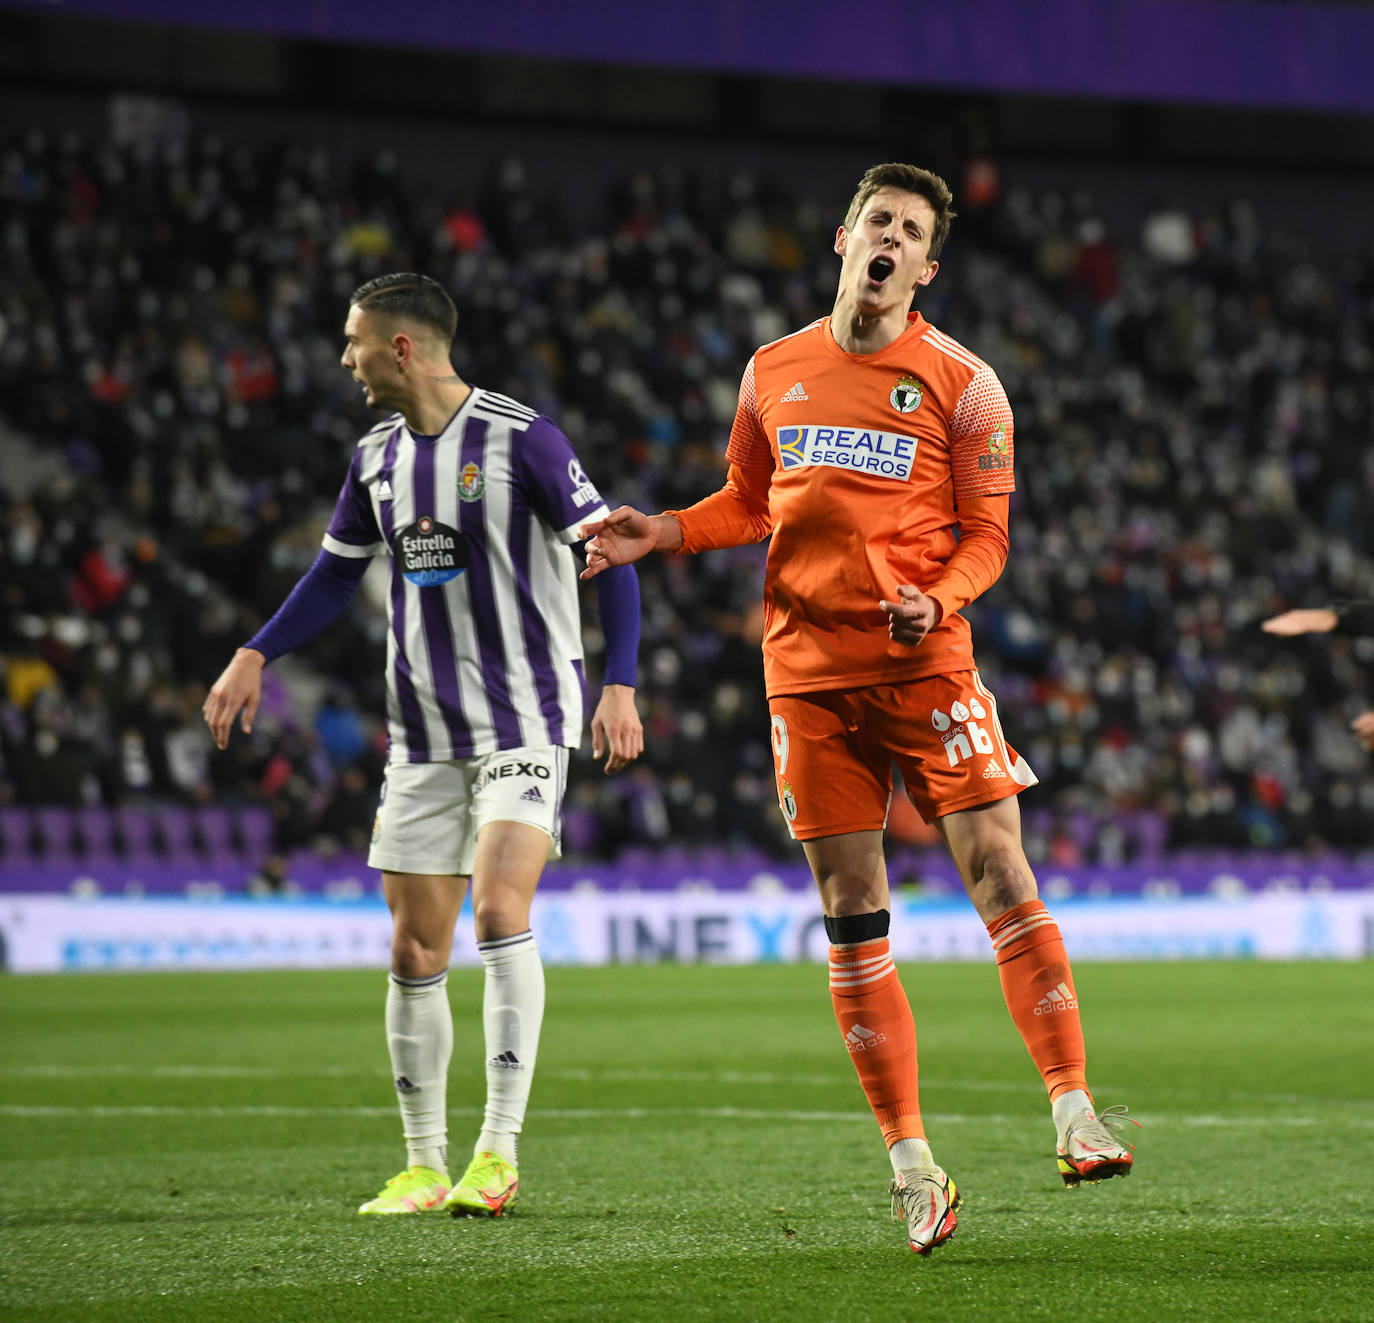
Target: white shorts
430,813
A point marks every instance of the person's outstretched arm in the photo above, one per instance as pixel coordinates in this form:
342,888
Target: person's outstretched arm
616,728
319,596
350,542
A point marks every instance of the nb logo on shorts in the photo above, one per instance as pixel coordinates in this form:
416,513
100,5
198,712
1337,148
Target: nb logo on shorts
961,735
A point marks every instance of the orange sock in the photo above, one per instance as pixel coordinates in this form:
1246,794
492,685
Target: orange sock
1038,985
875,1018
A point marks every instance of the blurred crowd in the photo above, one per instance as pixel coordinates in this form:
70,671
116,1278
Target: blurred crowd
1192,405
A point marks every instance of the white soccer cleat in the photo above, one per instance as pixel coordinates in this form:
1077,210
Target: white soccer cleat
926,1199
1091,1148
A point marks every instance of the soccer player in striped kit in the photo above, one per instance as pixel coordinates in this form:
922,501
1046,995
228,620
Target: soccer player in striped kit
877,453
476,500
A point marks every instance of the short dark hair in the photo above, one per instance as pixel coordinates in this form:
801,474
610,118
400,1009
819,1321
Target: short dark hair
414,297
910,179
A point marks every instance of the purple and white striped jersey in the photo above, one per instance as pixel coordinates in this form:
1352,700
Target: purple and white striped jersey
484,650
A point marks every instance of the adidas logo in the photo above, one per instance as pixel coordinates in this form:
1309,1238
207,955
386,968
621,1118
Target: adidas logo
992,770
1057,999
506,1061
403,1085
384,490
859,1039
533,795
798,392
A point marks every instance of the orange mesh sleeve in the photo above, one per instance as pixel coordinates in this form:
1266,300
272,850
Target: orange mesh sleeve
981,449
978,559
748,446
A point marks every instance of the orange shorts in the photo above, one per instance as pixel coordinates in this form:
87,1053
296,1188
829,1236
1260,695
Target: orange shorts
834,750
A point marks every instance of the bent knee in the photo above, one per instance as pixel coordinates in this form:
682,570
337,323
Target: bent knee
1002,879
499,916
414,957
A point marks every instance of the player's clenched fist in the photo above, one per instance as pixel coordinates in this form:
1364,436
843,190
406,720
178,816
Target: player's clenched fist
625,535
912,617
239,687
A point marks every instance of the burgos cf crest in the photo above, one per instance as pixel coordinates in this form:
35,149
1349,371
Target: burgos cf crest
907,394
471,483
788,801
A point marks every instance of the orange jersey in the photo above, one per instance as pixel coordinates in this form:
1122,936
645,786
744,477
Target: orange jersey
860,466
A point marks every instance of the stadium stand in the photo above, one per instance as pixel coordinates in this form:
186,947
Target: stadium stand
1192,421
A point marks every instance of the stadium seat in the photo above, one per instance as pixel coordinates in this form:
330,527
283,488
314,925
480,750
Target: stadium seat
218,839
96,827
57,833
16,832
178,832
255,830
137,832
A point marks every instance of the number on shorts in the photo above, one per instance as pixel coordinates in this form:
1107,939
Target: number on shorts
780,743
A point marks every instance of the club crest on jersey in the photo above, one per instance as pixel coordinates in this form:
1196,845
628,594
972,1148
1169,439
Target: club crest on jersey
880,454
471,482
430,552
788,801
907,394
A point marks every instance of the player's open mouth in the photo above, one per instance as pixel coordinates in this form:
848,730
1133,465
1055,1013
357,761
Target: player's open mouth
880,268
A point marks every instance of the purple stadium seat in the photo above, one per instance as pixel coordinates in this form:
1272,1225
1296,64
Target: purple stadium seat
216,826
137,832
96,827
255,828
1151,834
57,830
178,831
16,832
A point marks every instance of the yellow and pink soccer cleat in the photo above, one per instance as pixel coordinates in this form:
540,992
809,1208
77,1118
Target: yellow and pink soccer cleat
488,1189
415,1190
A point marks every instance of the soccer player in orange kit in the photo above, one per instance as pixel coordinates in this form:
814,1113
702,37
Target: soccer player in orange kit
877,453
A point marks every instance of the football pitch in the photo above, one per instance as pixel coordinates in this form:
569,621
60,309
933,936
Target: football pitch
194,1147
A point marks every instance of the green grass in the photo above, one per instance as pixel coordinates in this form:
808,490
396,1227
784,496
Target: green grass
193,1147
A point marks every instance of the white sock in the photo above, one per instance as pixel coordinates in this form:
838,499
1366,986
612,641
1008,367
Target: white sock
1066,1105
512,1012
419,1032
910,1153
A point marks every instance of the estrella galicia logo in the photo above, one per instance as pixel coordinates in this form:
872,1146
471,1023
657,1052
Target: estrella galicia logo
431,552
